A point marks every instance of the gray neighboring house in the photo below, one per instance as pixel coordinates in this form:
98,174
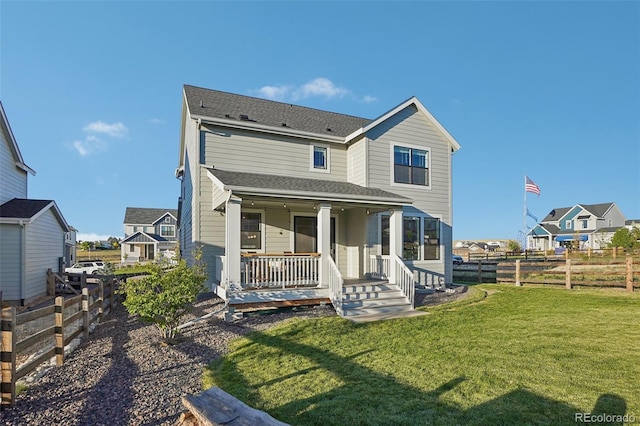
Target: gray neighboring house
587,225
149,233
285,201
34,235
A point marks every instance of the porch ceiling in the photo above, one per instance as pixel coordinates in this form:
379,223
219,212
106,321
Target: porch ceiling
263,185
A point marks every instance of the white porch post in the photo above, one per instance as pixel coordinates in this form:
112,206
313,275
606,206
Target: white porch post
395,241
324,241
232,242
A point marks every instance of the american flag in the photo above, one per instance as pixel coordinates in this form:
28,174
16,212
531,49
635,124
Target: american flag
530,186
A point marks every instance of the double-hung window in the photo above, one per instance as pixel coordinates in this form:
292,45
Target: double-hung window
420,237
410,165
167,231
251,231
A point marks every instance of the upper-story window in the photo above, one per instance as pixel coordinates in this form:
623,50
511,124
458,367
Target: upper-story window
167,219
567,224
167,231
410,165
319,158
585,224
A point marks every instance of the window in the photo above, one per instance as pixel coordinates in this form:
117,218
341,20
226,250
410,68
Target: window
319,158
585,224
414,246
131,248
250,231
167,219
135,229
568,224
431,239
167,231
410,166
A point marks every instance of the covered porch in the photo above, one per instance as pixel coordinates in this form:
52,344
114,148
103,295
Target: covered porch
287,244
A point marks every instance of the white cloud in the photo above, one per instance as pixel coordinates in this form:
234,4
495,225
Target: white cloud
92,236
156,120
368,99
116,130
276,93
318,87
89,145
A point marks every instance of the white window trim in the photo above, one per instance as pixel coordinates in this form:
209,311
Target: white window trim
263,230
171,236
567,224
311,155
392,171
292,233
422,217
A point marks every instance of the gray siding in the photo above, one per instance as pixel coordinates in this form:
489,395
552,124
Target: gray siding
14,180
357,162
270,154
411,128
45,245
172,222
10,261
189,182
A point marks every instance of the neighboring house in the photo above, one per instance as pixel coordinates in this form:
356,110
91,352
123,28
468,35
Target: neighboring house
34,236
149,234
294,200
584,225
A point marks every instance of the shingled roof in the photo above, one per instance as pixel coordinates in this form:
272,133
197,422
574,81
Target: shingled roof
143,215
21,208
598,210
246,109
286,185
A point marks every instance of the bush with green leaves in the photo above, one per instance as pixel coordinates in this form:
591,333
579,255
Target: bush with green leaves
165,296
626,238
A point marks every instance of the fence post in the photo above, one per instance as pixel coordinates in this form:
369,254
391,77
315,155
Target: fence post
51,283
480,271
83,279
101,298
59,330
8,357
85,313
568,275
615,249
589,253
518,283
629,273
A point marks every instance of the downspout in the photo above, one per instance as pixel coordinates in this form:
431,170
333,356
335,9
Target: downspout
23,260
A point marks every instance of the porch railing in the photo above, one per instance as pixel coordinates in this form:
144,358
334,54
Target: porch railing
405,280
335,286
379,266
279,271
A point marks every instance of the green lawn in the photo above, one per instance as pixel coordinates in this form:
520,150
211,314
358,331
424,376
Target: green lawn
517,356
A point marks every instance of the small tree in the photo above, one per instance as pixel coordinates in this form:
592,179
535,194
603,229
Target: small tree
513,246
166,295
625,238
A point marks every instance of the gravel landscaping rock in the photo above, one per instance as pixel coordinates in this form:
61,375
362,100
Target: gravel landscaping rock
124,375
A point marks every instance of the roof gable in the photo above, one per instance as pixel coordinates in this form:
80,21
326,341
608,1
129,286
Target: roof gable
11,140
22,209
143,215
421,108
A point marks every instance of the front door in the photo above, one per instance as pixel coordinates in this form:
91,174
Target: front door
306,235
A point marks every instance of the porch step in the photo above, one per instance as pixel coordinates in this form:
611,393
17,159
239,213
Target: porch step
373,300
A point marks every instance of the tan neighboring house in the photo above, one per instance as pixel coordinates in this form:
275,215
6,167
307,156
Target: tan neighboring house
293,204
34,235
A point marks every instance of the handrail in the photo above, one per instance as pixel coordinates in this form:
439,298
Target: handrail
335,285
405,280
279,271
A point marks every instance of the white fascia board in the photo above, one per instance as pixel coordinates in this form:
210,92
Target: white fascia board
244,125
162,217
317,196
15,220
26,168
411,101
56,212
217,182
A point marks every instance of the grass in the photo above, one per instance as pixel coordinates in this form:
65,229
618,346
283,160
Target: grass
504,355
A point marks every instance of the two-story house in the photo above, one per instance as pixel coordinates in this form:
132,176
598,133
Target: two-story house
149,234
34,235
288,203
583,225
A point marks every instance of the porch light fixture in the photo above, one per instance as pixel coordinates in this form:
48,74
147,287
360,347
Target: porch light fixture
252,203
284,205
342,209
368,211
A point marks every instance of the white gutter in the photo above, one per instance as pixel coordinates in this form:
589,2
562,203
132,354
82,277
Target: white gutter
326,196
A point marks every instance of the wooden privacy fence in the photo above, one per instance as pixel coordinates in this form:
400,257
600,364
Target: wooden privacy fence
568,272
475,271
32,338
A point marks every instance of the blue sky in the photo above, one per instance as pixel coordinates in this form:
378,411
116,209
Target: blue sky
550,90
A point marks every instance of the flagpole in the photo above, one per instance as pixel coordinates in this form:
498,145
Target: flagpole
524,216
